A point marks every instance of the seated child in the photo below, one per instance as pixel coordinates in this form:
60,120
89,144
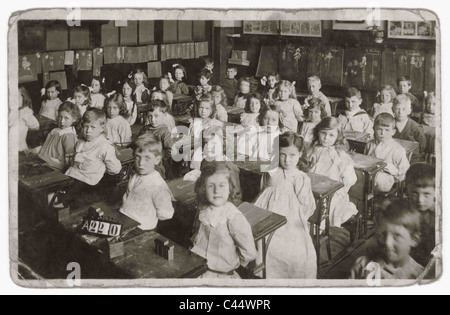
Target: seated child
314,113
398,231
148,198
253,108
50,106
27,121
169,121
208,64
355,118
204,78
420,187
178,86
220,101
230,85
159,130
386,148
82,97
224,236
117,128
59,146
428,116
314,85
244,89
384,105
269,87
408,129
163,93
129,98
291,109
205,115
142,93
97,90
405,84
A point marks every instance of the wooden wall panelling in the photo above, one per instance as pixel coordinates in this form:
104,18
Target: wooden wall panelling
146,32
129,34
79,38
170,31
327,63
293,61
430,71
184,31
362,68
110,35
57,38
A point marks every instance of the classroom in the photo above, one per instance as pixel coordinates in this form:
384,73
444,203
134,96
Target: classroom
228,149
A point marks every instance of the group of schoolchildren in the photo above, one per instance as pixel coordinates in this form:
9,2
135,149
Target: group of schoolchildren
92,124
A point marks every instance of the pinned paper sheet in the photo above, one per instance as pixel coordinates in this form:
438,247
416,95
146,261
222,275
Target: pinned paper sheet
121,23
83,60
45,61
120,54
53,61
110,35
201,49
131,55
28,68
46,78
192,50
152,51
142,55
154,69
98,61
69,58
61,77
163,52
109,55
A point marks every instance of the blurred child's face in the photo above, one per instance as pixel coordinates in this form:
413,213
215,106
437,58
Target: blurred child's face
127,90
284,93
65,120
113,110
217,98
231,73
204,110
386,97
402,111
79,98
96,86
138,79
214,147
404,87
255,105
353,103
210,66
164,84
431,105
92,130
52,93
203,81
217,189
157,117
384,133
422,199
244,87
289,157
396,242
328,137
145,161
272,81
271,118
179,75
315,115
314,87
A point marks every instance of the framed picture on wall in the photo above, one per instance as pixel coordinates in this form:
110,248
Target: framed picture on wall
412,30
301,28
261,27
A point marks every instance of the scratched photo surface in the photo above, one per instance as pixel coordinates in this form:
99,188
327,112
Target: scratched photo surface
226,148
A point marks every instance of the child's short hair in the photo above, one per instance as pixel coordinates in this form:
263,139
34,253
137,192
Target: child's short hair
275,75
148,142
164,77
314,78
85,91
208,171
351,92
162,106
101,80
421,175
288,85
245,79
72,109
206,98
330,123
404,78
144,76
119,101
179,67
208,60
316,103
384,120
26,99
391,91
402,99
270,108
399,212
231,67
289,139
430,96
94,114
55,84
205,73
249,101
219,90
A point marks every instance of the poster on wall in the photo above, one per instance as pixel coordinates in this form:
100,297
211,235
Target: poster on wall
261,27
29,66
412,30
301,28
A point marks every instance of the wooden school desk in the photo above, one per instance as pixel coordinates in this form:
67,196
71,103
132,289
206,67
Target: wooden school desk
140,260
234,114
37,137
181,104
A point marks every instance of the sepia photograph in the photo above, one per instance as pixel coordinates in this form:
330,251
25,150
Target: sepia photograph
224,148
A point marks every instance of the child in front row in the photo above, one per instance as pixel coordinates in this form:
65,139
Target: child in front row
224,237
314,113
220,101
397,232
355,118
50,106
328,157
117,128
287,191
420,187
314,85
386,148
97,92
253,108
148,198
244,89
289,106
384,105
158,129
59,146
